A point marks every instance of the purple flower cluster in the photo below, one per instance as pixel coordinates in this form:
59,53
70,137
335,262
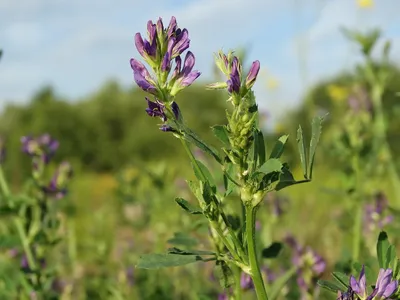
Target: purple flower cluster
310,265
384,288
2,150
57,186
374,214
42,149
163,47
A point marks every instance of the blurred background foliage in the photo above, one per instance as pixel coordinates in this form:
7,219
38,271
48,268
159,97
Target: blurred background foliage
127,173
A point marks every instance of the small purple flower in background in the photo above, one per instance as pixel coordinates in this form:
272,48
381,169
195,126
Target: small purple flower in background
56,187
43,146
374,214
130,276
223,296
246,282
275,204
359,100
310,265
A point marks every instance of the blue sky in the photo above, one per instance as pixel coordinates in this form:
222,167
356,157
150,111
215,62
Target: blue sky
76,45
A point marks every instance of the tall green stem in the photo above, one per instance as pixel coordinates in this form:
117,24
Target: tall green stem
251,246
18,224
380,126
357,232
358,203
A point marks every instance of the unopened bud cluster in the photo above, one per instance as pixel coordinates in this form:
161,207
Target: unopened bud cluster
244,116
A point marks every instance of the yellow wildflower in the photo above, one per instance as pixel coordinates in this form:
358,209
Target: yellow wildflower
337,93
365,3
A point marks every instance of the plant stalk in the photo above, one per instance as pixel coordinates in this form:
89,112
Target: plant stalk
251,246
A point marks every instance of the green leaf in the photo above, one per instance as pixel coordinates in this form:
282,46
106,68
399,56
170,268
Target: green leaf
391,257
221,133
190,208
382,248
329,285
279,146
270,166
229,182
195,188
286,179
342,279
258,149
207,193
183,240
272,251
278,285
202,173
316,127
175,250
157,261
302,151
191,137
224,274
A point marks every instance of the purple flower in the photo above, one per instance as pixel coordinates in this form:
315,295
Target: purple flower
246,282
310,265
156,109
147,48
223,296
234,80
184,77
171,27
43,146
167,128
359,287
142,77
359,100
181,42
56,187
130,276
176,110
385,286
374,214
252,76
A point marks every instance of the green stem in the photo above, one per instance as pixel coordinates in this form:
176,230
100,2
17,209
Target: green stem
238,289
380,126
356,199
251,244
357,232
3,184
18,224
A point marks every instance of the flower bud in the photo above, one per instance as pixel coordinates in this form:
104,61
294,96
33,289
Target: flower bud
252,76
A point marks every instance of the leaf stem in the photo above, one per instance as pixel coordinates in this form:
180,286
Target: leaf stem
251,244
